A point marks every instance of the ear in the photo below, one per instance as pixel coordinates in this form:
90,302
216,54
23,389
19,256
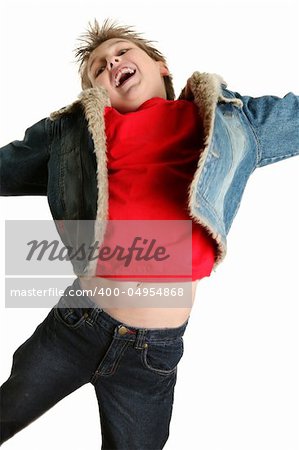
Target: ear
163,69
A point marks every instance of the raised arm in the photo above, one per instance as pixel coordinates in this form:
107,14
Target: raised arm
275,124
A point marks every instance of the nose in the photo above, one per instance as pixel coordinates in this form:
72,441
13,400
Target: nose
113,60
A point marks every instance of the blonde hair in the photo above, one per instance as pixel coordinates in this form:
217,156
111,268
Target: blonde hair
96,35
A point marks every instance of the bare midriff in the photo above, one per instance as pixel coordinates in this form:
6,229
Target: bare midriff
166,304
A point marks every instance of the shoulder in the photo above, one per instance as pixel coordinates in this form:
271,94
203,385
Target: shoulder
66,111
88,103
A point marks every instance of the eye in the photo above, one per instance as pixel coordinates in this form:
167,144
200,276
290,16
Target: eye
99,71
123,50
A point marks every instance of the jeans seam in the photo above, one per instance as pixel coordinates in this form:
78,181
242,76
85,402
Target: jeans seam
152,369
156,370
98,373
61,320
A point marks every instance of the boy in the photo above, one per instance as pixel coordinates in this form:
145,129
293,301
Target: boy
197,165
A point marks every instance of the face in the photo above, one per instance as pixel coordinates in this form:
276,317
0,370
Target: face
127,72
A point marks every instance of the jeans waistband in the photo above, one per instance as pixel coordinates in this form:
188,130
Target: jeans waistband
113,325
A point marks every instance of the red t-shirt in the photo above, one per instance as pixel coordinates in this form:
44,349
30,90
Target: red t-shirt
152,155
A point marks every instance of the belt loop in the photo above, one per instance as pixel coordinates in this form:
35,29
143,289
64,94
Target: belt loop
93,316
139,343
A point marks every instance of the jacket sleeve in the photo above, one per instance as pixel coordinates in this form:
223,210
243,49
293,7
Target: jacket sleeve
23,164
275,125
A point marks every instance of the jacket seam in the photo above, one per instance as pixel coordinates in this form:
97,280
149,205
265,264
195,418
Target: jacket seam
257,141
48,135
276,158
81,170
212,209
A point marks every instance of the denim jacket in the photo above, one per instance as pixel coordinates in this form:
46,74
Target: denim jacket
64,157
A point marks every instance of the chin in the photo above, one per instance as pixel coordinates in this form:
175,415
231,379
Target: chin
129,107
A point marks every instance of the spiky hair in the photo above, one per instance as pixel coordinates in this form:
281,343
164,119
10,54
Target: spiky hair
95,35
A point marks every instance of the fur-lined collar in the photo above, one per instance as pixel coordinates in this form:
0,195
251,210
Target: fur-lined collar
203,88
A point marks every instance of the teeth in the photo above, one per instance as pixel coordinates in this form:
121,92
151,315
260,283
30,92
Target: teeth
120,72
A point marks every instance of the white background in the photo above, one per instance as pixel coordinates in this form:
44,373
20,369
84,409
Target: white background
237,383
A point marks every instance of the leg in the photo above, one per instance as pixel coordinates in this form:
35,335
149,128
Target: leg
47,367
134,384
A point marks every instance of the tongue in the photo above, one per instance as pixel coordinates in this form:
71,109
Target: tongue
125,77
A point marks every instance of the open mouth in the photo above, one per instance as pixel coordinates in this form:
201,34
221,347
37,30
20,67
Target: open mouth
124,78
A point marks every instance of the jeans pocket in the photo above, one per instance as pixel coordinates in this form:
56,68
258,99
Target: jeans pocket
163,357
70,316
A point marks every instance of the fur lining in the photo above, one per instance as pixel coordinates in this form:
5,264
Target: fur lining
94,101
202,88
205,90
65,110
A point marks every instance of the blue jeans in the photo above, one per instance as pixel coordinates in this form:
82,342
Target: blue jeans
133,372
